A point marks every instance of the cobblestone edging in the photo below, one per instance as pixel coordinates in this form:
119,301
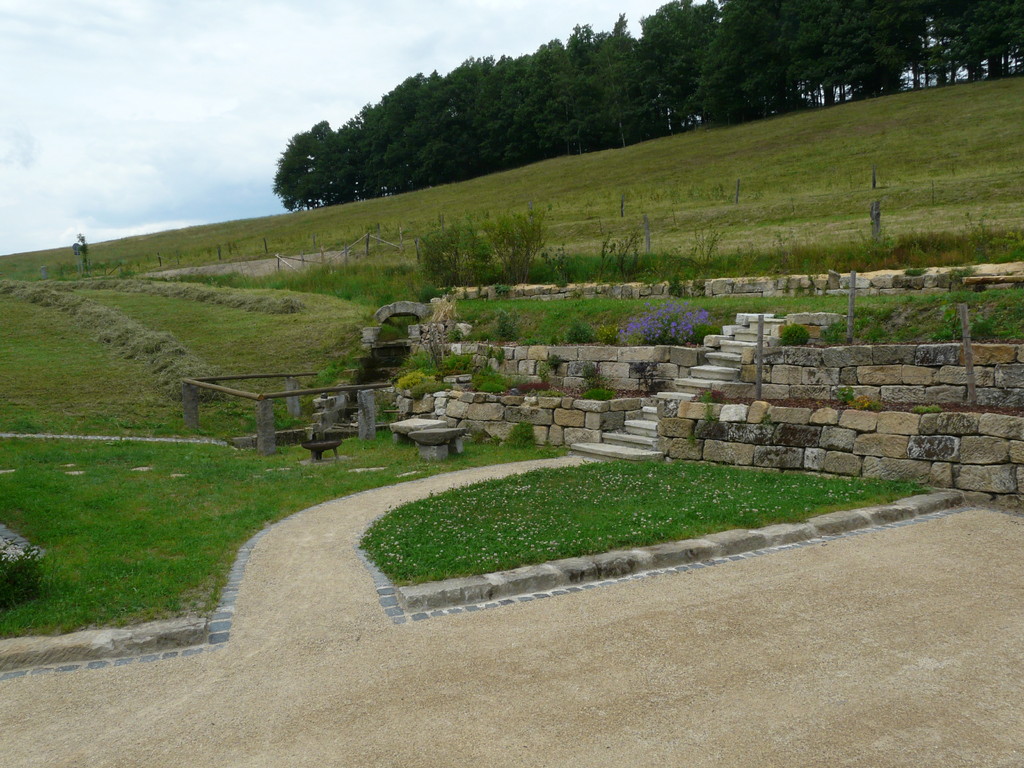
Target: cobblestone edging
157,641
474,593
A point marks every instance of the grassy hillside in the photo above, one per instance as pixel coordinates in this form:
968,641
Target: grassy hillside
948,160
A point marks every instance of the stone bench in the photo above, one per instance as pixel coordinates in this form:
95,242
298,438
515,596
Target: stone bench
435,444
400,429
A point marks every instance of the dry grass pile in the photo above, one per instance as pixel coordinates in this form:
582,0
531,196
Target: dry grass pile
168,359
228,297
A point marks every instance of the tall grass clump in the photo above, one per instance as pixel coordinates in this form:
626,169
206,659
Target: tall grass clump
21,574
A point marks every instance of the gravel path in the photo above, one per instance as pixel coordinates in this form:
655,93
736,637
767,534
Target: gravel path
890,649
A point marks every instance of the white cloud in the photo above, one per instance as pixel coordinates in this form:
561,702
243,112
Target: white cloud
135,115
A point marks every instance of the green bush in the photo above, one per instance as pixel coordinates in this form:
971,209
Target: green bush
579,332
599,393
794,336
428,387
607,334
412,379
507,328
21,574
489,380
456,255
521,436
516,239
456,364
834,334
592,378
922,409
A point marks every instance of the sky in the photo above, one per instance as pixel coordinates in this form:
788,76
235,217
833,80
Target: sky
123,117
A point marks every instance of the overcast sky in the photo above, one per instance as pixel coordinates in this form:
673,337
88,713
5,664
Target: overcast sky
121,117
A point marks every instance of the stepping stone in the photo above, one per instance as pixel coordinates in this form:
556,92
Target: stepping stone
142,469
7,471
75,472
367,469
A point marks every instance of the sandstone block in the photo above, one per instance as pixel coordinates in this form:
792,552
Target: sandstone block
797,435
814,459
941,475
675,427
737,454
625,404
686,356
733,412
611,565
957,374
778,457
820,376
878,444
937,354
898,423
861,421
686,450
837,439
878,375
683,552
802,356
839,463
988,478
485,412
757,411
998,425
576,570
555,435
945,393
825,416
992,354
903,394
786,374
784,415
916,375
573,435
897,469
892,354
457,409
950,424
984,450
591,406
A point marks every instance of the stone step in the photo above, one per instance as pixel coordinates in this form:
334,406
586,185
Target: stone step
642,427
746,318
715,340
729,388
650,413
737,347
725,359
714,373
674,398
606,452
770,337
630,441
732,330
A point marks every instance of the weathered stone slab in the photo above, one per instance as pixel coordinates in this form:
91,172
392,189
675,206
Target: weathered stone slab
621,562
878,444
464,591
861,421
949,424
737,454
904,394
685,450
568,418
576,569
735,541
889,513
778,457
825,416
937,354
1010,375
401,429
814,459
786,533
898,423
839,522
990,479
998,425
934,447
984,450
796,435
733,412
785,415
486,412
877,375
683,552
841,463
897,469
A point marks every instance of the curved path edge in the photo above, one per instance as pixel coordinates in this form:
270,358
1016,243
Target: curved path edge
191,635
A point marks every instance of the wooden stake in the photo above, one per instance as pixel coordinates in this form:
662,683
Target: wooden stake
874,176
265,249
965,327
876,220
759,356
622,206
849,309
737,191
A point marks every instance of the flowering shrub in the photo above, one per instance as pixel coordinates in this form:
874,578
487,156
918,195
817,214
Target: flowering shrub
21,574
671,323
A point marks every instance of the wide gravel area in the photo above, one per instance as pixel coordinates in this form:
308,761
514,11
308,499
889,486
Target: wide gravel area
897,648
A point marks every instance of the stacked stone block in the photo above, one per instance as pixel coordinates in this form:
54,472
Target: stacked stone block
967,451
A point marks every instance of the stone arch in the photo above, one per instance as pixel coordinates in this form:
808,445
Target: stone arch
421,311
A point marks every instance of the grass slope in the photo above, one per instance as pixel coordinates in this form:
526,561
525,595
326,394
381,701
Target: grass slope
942,154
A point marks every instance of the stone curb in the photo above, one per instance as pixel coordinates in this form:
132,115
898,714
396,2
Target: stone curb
96,644
473,590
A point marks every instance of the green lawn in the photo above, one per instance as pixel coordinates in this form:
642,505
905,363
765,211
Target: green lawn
554,513
126,546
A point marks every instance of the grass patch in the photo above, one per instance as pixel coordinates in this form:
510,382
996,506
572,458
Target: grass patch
245,300
550,514
126,546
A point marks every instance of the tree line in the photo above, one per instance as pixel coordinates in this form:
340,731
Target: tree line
693,65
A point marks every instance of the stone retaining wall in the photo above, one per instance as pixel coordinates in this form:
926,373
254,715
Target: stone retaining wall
879,283
892,373
968,451
555,420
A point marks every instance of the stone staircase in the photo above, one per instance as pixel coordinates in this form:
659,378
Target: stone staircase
637,441
727,353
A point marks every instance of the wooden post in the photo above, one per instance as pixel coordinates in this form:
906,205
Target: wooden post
265,250
401,239
367,414
278,262
759,357
417,249
292,403
159,260
647,234
367,243
876,220
218,255
378,229
965,326
266,438
737,191
852,294
874,176
622,206
190,405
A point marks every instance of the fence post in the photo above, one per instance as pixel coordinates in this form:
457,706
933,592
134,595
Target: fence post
190,405
367,414
759,356
737,192
874,176
622,206
965,326
292,403
266,439
852,293
367,243
876,220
